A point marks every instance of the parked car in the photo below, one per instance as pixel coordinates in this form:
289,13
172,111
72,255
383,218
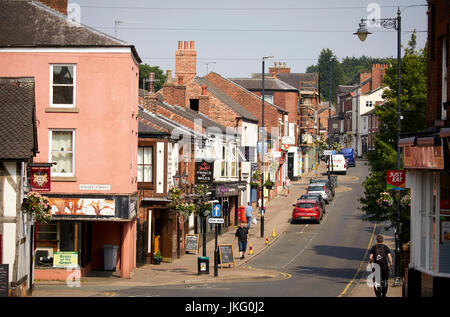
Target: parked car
319,188
317,197
349,154
307,209
326,181
339,164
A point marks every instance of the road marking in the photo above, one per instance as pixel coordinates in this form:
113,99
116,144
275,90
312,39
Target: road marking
301,251
361,264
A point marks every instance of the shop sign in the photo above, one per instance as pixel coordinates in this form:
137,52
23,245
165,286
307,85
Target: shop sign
204,172
423,157
82,206
65,259
396,180
40,177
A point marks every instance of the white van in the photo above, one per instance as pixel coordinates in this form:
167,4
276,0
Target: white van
339,164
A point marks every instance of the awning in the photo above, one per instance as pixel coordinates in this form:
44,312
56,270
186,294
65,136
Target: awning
407,142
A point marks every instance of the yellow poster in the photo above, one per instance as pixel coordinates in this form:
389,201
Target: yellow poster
65,259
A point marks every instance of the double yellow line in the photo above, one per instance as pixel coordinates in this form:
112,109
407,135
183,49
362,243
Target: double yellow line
362,263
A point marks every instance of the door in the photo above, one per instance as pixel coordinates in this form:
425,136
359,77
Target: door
291,166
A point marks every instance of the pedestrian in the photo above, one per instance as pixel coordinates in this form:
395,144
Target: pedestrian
287,183
381,254
242,238
249,214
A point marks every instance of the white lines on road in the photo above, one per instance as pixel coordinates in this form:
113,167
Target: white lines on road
301,251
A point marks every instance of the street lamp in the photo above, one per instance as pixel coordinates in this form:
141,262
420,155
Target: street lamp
362,32
262,145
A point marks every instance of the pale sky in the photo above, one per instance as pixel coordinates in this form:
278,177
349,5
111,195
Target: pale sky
235,34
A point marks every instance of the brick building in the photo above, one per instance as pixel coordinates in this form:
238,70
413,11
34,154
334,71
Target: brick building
427,161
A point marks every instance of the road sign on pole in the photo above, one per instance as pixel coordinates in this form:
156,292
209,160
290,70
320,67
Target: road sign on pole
216,220
216,211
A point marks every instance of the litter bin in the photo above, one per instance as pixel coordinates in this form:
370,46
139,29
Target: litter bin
203,265
109,257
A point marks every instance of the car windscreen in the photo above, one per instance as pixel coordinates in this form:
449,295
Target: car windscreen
305,205
315,188
313,197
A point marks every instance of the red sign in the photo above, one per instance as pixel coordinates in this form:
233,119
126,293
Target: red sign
40,178
396,180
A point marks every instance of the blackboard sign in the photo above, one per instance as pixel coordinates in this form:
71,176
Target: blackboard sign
204,172
191,242
4,277
226,254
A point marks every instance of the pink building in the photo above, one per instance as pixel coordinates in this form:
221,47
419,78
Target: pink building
86,107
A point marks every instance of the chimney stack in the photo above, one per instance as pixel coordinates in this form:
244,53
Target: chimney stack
57,5
186,61
151,82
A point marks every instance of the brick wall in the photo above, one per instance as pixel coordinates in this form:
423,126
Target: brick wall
438,29
186,61
249,101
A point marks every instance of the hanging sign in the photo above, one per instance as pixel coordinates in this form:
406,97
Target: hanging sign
396,180
40,178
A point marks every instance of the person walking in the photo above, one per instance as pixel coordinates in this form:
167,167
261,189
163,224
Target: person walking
287,183
242,238
249,214
380,254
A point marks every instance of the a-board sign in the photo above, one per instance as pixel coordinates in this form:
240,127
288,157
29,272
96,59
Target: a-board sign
191,243
226,254
4,280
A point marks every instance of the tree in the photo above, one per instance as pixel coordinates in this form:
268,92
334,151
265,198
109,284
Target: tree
384,157
144,70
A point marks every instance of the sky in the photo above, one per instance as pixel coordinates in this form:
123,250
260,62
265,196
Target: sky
232,36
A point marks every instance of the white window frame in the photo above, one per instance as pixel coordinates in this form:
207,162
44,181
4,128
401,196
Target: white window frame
234,160
369,104
444,77
223,161
74,103
50,145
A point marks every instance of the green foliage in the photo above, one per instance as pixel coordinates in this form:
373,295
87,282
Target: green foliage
160,78
353,66
384,157
36,206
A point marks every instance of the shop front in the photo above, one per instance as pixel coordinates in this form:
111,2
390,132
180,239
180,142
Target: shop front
426,160
88,233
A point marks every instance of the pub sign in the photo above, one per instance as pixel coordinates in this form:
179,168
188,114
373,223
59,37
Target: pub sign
204,172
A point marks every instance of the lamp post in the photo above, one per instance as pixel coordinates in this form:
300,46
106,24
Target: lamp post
262,145
362,32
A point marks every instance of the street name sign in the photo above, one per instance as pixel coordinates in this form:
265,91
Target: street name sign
216,220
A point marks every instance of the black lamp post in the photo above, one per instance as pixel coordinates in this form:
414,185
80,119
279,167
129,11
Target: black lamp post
362,32
262,146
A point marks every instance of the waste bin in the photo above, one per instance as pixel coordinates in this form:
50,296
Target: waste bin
109,257
203,265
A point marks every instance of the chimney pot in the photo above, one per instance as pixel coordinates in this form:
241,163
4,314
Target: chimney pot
191,45
180,45
180,80
204,90
186,45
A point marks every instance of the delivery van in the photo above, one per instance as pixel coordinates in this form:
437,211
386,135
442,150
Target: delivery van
349,154
339,164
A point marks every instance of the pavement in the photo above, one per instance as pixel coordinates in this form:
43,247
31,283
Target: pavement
184,270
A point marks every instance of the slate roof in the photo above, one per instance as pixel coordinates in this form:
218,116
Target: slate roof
26,23
255,84
219,94
18,134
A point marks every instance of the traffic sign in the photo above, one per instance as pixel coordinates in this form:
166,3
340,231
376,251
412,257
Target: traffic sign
216,220
216,211
329,152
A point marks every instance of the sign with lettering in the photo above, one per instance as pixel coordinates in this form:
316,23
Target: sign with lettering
40,177
65,259
395,180
94,187
82,206
4,280
226,254
204,172
191,243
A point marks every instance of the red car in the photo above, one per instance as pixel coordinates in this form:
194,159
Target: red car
307,209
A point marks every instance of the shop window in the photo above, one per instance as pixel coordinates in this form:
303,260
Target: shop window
145,164
62,86
62,150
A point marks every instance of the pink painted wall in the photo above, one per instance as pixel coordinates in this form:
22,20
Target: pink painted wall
106,124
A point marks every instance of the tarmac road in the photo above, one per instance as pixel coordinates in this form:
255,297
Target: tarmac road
315,260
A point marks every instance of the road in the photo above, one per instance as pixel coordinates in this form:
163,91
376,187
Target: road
317,260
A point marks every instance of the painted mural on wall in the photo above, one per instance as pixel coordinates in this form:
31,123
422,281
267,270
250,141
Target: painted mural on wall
82,207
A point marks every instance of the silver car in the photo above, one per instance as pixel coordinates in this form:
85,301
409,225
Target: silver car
319,188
